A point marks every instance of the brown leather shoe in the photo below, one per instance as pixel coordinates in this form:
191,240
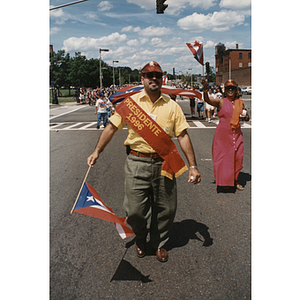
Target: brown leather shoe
162,255
140,246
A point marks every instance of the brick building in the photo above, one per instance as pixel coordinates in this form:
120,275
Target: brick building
233,64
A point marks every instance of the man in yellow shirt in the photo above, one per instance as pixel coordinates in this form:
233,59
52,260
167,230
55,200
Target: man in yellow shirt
147,192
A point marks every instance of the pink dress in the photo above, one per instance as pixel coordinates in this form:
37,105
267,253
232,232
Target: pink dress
227,148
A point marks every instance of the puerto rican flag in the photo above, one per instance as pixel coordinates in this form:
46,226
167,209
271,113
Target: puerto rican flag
125,92
197,50
165,79
89,203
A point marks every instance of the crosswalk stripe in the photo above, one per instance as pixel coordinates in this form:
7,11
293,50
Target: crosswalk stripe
71,126
88,125
54,126
199,124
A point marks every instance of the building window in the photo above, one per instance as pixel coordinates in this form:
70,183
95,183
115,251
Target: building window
240,65
240,55
249,55
249,64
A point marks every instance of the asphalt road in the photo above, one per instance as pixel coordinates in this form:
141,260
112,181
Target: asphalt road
210,245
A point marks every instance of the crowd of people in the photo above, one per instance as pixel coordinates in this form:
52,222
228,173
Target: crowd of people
90,96
202,106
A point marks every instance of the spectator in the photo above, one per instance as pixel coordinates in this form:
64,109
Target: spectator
192,105
101,111
209,108
200,108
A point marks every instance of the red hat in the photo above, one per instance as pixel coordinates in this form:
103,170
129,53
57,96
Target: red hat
230,82
152,66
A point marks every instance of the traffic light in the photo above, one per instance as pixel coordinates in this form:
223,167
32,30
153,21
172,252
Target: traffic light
207,68
207,71
160,6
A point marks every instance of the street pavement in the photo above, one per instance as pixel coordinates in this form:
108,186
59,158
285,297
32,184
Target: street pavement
210,245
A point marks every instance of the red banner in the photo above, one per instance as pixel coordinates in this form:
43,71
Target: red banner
154,135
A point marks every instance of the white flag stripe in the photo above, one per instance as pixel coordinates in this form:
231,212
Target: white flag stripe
121,231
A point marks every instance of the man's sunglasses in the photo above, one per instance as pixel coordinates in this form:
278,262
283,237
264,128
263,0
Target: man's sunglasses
150,75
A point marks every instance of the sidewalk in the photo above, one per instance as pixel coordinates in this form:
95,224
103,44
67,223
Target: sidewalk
67,103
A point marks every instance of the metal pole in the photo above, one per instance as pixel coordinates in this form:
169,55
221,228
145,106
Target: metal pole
114,61
57,7
100,50
113,75
100,72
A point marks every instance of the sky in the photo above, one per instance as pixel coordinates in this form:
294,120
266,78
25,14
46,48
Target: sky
135,34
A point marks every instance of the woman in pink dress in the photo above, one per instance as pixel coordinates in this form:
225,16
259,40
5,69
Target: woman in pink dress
228,145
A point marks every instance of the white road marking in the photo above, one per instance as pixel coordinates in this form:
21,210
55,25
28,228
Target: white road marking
88,126
66,112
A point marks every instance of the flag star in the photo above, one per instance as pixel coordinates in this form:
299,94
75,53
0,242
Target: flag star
90,198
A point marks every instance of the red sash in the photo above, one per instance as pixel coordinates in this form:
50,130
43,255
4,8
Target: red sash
154,135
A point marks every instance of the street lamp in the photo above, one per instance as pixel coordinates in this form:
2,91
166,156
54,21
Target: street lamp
114,61
191,77
100,50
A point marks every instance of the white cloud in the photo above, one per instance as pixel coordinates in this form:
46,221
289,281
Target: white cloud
127,29
104,6
234,4
209,44
143,4
144,40
91,44
156,42
153,31
59,16
218,21
91,16
133,43
54,30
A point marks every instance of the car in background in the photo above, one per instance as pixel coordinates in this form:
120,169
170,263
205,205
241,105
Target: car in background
247,90
239,91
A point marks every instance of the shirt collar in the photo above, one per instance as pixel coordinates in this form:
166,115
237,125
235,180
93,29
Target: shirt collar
163,97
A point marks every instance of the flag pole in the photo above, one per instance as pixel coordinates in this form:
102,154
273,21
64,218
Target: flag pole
80,189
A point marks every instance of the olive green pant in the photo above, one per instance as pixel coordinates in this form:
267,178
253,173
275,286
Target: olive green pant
147,193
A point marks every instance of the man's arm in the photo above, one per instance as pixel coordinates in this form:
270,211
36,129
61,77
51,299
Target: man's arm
104,139
187,148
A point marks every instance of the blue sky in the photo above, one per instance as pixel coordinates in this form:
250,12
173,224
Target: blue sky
135,34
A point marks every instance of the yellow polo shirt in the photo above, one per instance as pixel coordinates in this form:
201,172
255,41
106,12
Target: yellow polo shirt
166,112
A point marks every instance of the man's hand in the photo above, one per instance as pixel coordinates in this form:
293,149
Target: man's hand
194,176
92,159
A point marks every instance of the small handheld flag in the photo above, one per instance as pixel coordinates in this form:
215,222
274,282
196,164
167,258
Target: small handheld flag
197,52
89,203
165,79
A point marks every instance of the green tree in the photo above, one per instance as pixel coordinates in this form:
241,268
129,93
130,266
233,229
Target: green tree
59,68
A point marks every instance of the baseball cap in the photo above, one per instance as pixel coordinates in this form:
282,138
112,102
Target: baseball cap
230,82
152,66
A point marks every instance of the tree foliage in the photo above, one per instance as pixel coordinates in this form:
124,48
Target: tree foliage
66,71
